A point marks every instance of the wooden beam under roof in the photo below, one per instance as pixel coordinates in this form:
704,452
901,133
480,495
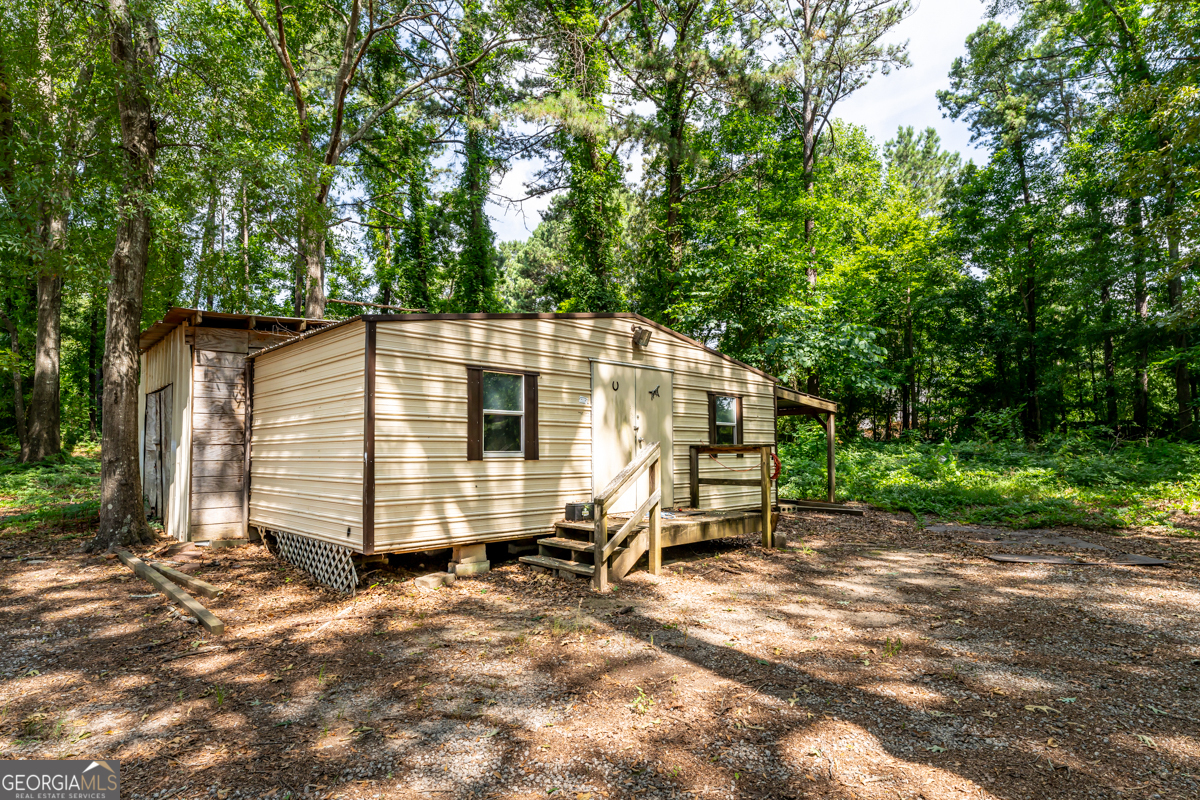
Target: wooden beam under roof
792,402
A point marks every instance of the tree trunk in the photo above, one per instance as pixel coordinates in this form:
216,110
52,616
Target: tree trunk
808,122
1110,364
389,260
1183,386
1141,311
1032,415
909,390
417,267
312,250
887,405
245,235
93,370
18,383
44,406
298,286
122,514
204,276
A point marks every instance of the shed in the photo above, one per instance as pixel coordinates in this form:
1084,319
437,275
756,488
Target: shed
191,412
408,432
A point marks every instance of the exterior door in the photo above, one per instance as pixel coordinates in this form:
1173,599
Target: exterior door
631,408
159,456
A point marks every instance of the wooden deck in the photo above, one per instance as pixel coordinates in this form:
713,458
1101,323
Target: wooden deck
689,526
571,551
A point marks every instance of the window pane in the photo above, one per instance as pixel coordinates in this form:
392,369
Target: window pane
502,392
726,409
726,434
501,433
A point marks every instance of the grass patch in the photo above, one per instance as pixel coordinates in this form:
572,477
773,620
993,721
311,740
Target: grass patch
63,489
1066,481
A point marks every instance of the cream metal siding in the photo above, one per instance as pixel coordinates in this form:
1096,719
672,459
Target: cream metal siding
428,495
169,362
306,460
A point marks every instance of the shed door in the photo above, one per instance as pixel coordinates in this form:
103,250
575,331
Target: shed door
631,407
159,456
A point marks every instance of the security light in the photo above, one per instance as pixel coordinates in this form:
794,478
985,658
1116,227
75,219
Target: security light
641,336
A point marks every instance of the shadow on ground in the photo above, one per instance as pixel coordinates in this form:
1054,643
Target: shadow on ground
872,660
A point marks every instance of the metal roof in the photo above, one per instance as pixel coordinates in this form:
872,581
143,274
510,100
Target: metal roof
176,316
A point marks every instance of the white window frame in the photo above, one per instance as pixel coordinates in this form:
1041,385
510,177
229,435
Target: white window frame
485,411
731,425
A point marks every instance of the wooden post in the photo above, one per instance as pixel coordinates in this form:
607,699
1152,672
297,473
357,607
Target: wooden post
655,554
765,452
694,474
830,444
599,540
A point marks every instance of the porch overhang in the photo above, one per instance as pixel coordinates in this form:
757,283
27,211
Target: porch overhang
789,402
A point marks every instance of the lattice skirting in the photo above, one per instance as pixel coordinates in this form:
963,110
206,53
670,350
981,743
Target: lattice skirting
330,564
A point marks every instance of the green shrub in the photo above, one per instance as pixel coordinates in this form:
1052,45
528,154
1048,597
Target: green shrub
61,489
1075,480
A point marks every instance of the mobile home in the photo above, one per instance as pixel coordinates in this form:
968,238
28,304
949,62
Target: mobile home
412,432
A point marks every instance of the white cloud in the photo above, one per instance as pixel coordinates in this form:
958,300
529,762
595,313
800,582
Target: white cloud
937,32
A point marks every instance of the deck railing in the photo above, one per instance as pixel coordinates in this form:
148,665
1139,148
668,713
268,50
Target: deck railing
647,461
763,481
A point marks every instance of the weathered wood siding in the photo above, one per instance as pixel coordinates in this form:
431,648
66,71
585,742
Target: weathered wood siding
428,494
219,436
169,362
306,466
219,429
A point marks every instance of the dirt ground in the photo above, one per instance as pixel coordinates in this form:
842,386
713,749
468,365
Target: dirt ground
870,659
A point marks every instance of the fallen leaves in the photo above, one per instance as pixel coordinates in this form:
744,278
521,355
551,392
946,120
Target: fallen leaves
1043,709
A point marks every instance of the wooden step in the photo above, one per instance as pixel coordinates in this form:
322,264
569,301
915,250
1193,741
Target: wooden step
588,527
548,562
575,545
567,544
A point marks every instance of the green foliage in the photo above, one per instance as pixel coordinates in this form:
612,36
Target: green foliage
1089,482
1044,292
916,162
60,489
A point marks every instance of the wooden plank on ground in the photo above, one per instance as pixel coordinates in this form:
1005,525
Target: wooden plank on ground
156,579
794,506
183,579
